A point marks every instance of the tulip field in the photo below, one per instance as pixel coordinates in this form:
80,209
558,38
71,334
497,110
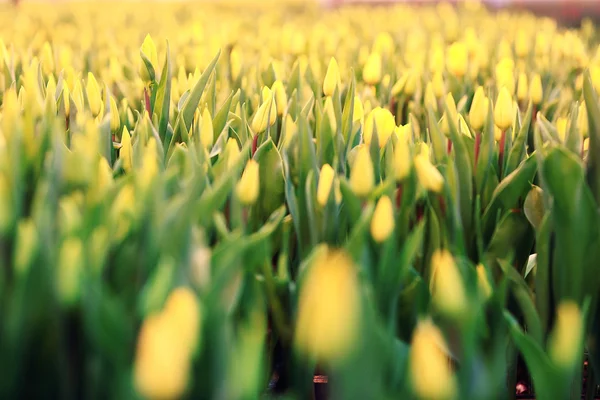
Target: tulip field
224,200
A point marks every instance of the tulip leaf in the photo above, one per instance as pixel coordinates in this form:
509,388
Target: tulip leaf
310,200
534,206
519,148
348,112
436,136
220,119
486,149
573,139
593,110
543,282
163,97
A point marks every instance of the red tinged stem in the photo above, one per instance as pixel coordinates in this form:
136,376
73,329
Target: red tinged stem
399,192
449,146
501,150
254,144
534,114
147,101
443,206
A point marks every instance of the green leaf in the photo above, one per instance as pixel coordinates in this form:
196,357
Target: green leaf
534,206
271,179
593,110
543,283
519,149
573,139
438,139
163,97
220,119
348,113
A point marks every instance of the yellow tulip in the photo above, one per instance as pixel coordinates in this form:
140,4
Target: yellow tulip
447,286
235,63
182,310
522,88
522,44
93,94
451,114
479,110
582,120
115,120
330,113
503,110
457,60
561,127
329,307
429,368
536,92
362,173
126,151
148,49
206,130
429,177
402,160
439,87
69,270
566,340
372,69
332,78
382,223
247,189
382,120
326,178
280,96
265,116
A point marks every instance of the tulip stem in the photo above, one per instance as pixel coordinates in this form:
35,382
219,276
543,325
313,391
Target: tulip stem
501,151
275,305
147,101
449,146
477,148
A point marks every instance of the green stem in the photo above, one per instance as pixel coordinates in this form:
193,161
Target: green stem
511,371
275,304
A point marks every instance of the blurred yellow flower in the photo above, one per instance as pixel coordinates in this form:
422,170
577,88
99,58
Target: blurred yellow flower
362,173
382,223
247,189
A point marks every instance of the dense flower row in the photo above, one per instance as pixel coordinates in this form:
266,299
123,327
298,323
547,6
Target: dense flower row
371,191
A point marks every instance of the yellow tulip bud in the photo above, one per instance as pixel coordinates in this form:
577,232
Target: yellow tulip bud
290,130
586,144
457,60
11,110
582,120
115,120
384,43
503,110
536,92
384,121
126,151
362,174
183,311
430,372
162,364
247,189
382,223
429,177
372,69
265,116
447,286
561,127
329,307
483,283
47,59
232,152
451,114
7,208
326,178
148,49
280,96
595,76
93,94
522,88
206,130
149,167
439,87
27,242
70,264
332,78
567,336
522,44
479,110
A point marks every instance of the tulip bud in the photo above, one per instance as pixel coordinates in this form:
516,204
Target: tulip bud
447,284
149,167
290,130
11,114
329,307
536,92
384,43
332,78
148,49
162,363
382,223
362,179
77,96
430,372
266,114
429,177
483,283
503,111
439,87
93,94
247,189
522,44
451,114
7,208
457,60
47,59
231,153
372,69
206,131
561,127
430,99
522,88
183,311
358,113
566,341
115,120
326,178
126,151
280,96
70,264
26,246
66,97
383,119
582,120
479,110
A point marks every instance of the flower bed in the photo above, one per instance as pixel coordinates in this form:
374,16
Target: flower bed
199,199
